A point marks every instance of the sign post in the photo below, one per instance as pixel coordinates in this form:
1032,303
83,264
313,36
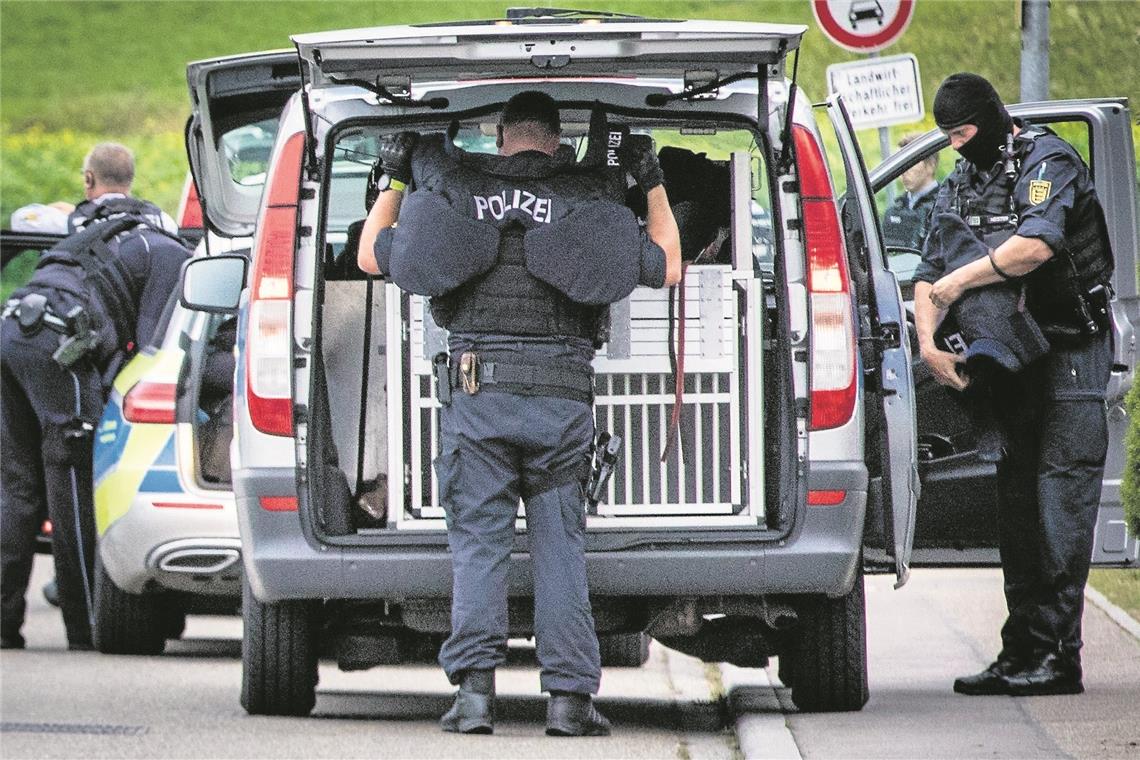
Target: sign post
868,26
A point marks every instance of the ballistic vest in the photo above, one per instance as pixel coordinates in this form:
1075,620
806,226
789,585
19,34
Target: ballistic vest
528,244
1085,260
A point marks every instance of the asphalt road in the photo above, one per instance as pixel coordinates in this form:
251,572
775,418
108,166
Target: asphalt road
55,703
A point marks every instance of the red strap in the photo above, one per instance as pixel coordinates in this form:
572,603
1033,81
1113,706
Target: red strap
679,374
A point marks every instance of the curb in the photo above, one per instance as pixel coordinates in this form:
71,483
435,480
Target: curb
761,727
1119,616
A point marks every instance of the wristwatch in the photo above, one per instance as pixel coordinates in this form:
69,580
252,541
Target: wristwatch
386,182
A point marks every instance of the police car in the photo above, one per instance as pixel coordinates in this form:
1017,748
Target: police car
797,469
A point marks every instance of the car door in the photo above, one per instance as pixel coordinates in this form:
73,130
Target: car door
235,105
886,363
956,522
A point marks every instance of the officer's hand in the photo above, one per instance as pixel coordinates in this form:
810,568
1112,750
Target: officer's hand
946,291
396,155
640,160
947,368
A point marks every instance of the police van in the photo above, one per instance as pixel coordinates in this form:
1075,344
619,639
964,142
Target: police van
765,406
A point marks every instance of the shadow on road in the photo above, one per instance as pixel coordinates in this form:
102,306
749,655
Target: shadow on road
413,706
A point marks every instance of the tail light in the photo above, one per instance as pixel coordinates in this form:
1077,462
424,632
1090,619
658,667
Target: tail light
833,387
269,371
190,208
151,402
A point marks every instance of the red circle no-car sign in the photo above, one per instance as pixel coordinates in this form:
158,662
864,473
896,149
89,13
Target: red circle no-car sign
863,26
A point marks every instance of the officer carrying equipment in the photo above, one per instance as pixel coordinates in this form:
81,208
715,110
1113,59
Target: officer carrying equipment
1029,195
521,255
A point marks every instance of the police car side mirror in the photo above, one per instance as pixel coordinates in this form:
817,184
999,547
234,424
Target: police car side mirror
213,284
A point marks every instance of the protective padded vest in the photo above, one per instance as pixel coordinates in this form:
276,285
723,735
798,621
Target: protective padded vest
527,244
1050,286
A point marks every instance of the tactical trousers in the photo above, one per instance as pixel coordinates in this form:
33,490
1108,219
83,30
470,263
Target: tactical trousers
47,417
1049,492
495,449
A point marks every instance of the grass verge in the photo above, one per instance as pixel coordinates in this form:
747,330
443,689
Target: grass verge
1121,587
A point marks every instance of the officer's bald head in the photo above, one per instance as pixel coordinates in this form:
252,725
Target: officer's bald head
529,121
108,168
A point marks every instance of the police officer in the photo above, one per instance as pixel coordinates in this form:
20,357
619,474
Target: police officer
907,221
1029,197
100,292
521,253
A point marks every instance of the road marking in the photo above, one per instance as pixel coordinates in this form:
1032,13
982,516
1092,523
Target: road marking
761,728
1119,616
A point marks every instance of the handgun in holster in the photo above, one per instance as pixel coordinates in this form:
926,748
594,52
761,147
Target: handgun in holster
80,340
607,449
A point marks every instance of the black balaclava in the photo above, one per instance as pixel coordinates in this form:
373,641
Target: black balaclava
965,98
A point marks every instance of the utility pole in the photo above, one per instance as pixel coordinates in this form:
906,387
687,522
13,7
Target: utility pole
1034,50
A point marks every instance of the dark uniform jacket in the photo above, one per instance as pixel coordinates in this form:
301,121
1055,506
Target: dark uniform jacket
1049,196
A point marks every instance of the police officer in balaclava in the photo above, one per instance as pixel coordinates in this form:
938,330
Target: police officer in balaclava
1022,200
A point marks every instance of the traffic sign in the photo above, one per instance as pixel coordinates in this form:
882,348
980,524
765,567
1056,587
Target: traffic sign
878,92
863,26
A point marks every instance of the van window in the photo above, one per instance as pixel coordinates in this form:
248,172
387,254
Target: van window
696,166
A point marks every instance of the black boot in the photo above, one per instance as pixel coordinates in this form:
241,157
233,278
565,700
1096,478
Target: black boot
474,709
570,714
11,640
992,680
1048,673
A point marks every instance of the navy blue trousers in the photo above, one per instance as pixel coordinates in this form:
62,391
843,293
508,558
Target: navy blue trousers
495,449
1049,488
47,417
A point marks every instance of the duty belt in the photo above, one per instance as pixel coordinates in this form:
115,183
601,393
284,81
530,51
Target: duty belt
470,374
33,313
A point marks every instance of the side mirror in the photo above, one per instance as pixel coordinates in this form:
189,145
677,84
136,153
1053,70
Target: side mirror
213,284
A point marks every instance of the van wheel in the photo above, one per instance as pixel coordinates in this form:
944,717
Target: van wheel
278,656
126,623
624,650
829,660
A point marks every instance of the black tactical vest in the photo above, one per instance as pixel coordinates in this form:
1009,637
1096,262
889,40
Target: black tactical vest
85,269
1086,259
513,195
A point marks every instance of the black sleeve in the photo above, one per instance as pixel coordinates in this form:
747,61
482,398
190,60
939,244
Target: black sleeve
933,264
165,258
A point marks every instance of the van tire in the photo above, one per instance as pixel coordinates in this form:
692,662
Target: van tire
624,650
278,656
126,623
829,659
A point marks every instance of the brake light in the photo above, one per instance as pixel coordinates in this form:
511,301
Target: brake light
825,498
833,386
190,207
151,402
269,369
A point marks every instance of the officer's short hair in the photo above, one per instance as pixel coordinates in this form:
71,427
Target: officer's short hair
112,164
532,106
907,139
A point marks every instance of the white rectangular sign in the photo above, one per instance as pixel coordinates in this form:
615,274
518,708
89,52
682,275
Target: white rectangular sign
878,91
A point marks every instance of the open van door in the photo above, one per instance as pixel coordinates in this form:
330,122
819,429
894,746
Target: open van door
886,355
235,104
956,521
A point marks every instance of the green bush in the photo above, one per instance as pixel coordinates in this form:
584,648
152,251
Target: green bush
1130,487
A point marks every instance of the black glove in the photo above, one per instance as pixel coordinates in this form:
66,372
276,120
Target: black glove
960,245
638,158
396,155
